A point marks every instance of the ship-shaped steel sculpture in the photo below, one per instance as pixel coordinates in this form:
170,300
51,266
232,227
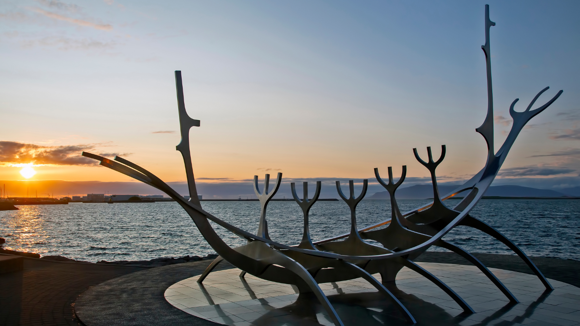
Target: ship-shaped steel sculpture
402,238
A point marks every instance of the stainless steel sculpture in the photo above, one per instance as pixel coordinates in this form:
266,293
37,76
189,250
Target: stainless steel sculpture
348,256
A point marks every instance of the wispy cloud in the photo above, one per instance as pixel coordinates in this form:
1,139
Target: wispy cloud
79,22
164,132
572,133
221,179
15,16
569,115
64,43
17,153
500,119
567,152
534,171
54,4
268,169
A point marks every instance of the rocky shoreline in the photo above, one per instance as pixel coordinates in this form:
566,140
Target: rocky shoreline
156,262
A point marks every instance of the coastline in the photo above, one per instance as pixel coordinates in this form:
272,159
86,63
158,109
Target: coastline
156,262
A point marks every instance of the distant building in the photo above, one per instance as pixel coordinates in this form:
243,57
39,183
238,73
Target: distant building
122,197
77,198
96,197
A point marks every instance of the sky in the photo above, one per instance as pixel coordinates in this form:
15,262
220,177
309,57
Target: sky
316,90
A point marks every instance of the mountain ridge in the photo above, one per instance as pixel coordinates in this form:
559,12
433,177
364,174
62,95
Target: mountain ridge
426,191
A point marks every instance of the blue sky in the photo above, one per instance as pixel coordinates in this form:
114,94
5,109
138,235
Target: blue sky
323,89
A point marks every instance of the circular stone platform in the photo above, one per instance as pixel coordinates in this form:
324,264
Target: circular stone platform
225,298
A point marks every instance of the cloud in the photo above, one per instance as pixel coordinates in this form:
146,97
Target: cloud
114,154
569,115
573,133
499,119
60,5
568,152
15,153
63,43
222,179
534,171
80,22
325,180
14,16
268,169
164,132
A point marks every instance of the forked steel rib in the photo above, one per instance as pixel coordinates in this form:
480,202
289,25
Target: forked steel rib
265,198
305,204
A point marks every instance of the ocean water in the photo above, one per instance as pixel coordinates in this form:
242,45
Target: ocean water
143,231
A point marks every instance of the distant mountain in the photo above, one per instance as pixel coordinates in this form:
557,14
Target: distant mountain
413,192
570,192
426,191
518,191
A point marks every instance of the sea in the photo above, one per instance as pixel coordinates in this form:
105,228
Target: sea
143,231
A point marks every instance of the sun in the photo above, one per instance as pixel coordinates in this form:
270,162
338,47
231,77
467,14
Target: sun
27,172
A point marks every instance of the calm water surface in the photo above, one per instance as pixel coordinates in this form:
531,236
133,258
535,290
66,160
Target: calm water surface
143,231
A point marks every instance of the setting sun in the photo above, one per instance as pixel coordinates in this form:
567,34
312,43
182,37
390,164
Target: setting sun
27,172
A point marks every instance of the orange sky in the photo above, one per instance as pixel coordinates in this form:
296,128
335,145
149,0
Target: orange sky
336,95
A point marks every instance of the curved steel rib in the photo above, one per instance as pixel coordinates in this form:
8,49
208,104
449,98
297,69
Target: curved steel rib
382,289
482,268
209,269
416,268
300,271
477,224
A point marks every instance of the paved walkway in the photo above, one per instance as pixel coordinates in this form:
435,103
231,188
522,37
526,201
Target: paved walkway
137,299
44,293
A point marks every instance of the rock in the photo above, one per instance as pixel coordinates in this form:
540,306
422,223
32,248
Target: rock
2,240
19,253
161,261
56,258
5,206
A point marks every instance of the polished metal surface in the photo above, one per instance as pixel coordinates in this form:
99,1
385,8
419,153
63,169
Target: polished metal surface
399,240
226,299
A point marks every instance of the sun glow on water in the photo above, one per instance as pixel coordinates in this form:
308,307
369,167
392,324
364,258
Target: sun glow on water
27,172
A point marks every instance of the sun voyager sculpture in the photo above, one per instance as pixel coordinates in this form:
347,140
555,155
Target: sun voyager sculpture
402,238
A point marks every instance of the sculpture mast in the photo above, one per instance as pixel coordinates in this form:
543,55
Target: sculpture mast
185,123
486,129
